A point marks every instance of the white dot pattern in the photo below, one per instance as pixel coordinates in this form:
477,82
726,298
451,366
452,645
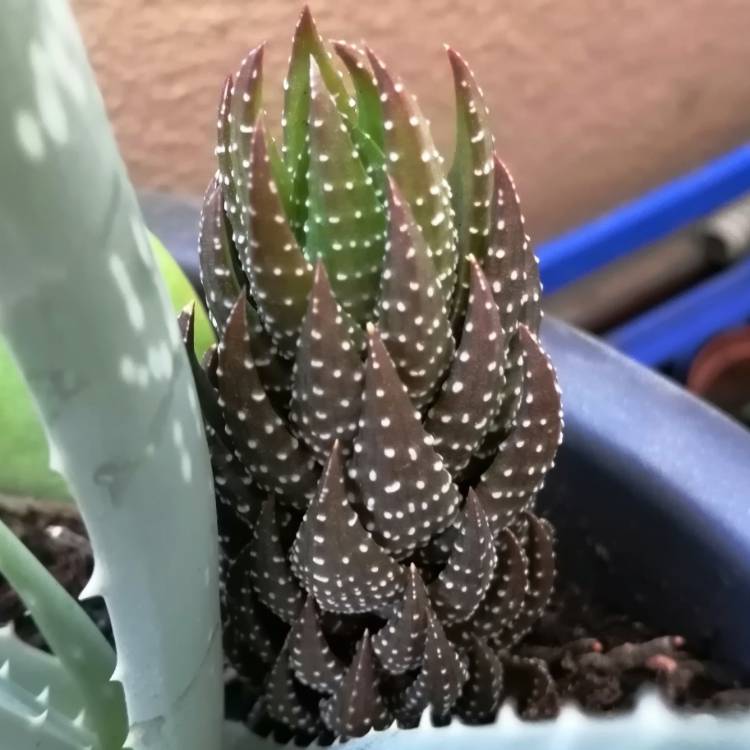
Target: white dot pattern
412,318
279,275
469,399
333,556
517,473
504,600
540,555
346,220
310,656
403,484
420,178
399,644
357,706
483,691
327,392
441,679
282,702
272,456
463,582
471,174
220,277
268,568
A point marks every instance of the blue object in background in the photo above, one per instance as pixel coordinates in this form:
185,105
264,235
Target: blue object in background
671,333
644,220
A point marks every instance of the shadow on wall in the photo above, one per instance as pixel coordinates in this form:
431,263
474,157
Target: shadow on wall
591,104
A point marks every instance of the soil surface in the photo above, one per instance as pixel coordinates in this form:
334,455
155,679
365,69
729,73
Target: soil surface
55,534
597,658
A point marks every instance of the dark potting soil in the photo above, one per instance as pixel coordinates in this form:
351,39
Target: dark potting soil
600,659
56,536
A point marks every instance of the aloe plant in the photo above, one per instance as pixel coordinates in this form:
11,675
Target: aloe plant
380,411
85,314
81,338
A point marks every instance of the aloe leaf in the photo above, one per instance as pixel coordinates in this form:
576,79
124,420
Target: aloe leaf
90,325
244,109
22,730
221,275
346,221
38,671
15,698
471,174
71,635
369,117
307,45
412,316
416,167
280,276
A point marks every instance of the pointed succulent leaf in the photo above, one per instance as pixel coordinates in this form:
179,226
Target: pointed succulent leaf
268,569
505,596
235,507
483,691
405,490
415,165
281,177
508,401
469,399
399,645
471,175
248,640
529,683
357,706
463,583
244,109
369,116
274,371
283,702
307,45
527,454
280,277
223,153
540,553
327,390
441,679
346,221
509,254
221,275
412,317
310,656
333,556
259,436
207,396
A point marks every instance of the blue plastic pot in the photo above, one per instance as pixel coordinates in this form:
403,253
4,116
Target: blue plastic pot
650,495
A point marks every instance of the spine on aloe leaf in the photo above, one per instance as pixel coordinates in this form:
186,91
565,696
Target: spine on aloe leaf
380,411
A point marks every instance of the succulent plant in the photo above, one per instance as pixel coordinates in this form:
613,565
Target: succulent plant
379,409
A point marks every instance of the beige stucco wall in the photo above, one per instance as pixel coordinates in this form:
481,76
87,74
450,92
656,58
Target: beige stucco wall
592,100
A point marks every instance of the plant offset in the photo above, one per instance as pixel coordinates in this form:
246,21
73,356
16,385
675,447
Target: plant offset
379,410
